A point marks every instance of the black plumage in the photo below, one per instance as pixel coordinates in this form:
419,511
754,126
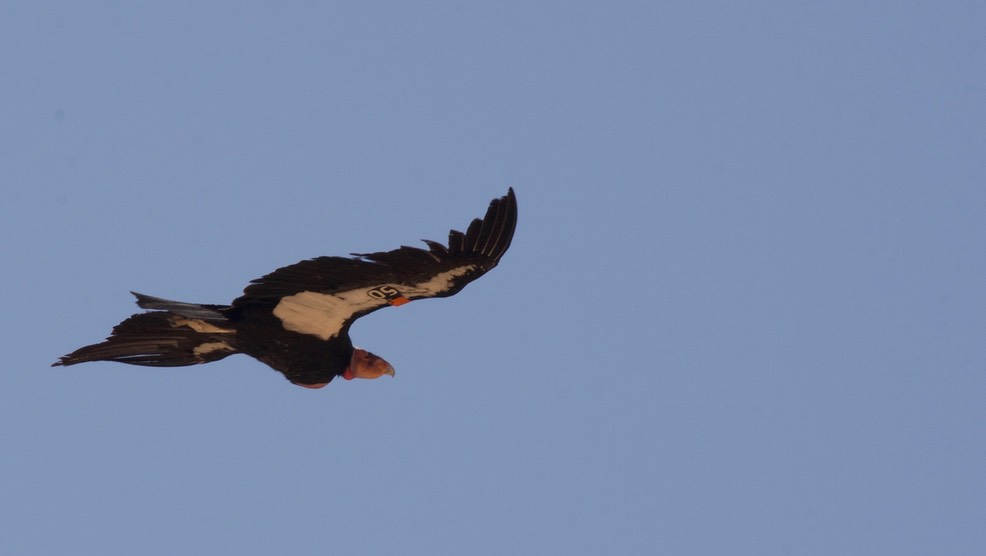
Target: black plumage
297,318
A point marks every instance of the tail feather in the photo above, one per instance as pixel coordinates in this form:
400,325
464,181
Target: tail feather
190,310
181,334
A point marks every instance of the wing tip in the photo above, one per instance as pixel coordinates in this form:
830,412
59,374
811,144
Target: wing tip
499,226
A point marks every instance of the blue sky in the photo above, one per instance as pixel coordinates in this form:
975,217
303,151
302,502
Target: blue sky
743,312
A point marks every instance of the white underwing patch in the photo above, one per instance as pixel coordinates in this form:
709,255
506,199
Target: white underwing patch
198,325
324,314
210,347
439,283
313,313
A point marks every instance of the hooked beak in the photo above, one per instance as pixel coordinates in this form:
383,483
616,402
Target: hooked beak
367,365
388,369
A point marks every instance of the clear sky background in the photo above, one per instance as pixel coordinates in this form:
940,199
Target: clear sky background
744,310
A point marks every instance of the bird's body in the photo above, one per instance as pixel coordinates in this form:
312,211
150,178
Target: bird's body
297,318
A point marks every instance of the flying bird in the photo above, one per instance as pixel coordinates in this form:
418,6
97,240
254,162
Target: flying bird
297,318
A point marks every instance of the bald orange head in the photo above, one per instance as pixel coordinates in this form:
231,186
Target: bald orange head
364,364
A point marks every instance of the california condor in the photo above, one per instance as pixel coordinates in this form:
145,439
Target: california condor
297,318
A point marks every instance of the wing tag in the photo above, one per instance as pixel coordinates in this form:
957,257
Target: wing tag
388,293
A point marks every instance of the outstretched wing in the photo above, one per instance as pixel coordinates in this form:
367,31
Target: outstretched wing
322,296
